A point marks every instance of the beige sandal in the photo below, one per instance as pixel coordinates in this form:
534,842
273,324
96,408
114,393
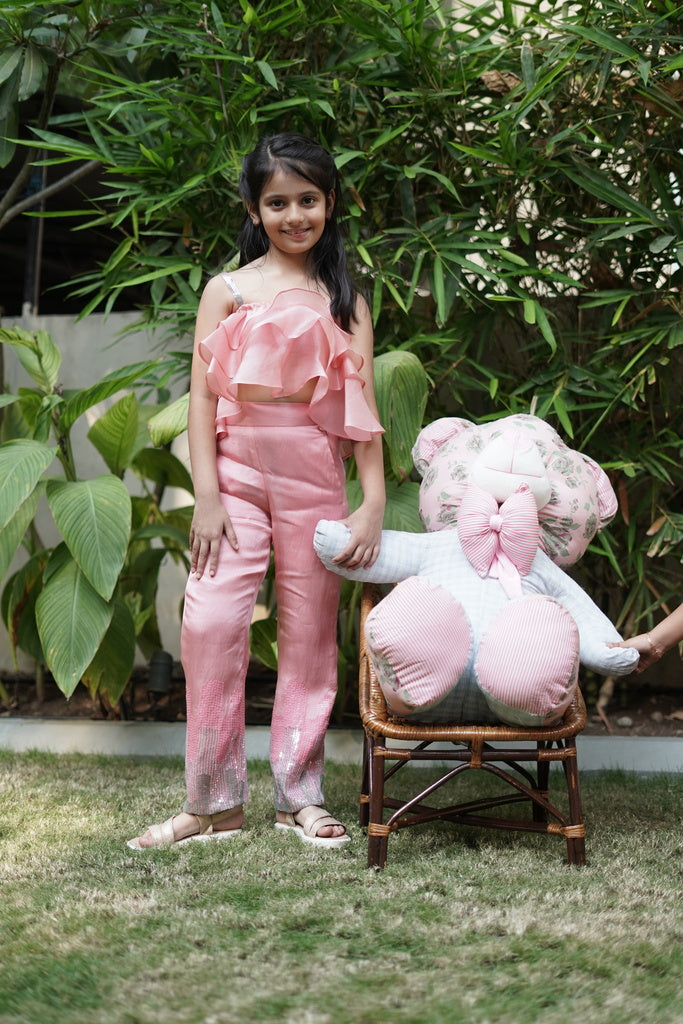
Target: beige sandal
164,835
307,822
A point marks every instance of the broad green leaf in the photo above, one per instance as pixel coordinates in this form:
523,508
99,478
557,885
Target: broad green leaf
9,130
9,60
31,72
94,517
402,508
111,668
170,422
22,463
114,434
401,387
37,353
163,468
13,532
72,619
18,606
263,642
78,403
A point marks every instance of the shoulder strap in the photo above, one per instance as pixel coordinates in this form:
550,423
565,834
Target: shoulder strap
233,287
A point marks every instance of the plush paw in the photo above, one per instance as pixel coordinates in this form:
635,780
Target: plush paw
419,640
528,661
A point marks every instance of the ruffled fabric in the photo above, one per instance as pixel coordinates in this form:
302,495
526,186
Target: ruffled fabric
283,345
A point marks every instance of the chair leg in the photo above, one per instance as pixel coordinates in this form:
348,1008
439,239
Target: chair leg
377,842
539,813
576,843
364,806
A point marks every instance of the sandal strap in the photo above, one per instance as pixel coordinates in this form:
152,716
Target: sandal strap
207,821
312,819
163,834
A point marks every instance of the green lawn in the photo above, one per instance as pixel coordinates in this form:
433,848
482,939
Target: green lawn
463,925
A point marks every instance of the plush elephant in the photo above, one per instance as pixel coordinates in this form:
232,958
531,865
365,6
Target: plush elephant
483,625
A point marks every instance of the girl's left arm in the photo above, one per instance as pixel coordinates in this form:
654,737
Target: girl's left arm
365,523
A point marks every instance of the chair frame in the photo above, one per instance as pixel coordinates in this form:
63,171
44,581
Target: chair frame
392,739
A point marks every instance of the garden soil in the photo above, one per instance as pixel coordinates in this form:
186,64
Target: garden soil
636,707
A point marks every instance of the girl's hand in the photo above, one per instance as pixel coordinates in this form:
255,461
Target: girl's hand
363,547
209,523
648,651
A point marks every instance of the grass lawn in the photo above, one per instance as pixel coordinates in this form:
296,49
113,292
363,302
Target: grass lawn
469,926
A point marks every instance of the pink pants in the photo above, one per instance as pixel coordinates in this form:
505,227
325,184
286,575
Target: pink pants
278,475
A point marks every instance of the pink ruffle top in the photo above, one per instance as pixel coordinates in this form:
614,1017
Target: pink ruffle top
283,345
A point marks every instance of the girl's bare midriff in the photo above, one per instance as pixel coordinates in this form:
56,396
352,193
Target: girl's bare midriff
256,393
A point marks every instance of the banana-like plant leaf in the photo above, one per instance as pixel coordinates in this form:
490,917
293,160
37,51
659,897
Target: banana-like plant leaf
37,353
18,606
22,463
94,517
72,619
170,422
401,386
114,434
77,403
263,642
111,668
13,532
163,468
401,512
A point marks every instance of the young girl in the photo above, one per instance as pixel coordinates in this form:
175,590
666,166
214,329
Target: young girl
284,378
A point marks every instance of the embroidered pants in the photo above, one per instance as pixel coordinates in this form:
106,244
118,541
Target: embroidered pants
278,475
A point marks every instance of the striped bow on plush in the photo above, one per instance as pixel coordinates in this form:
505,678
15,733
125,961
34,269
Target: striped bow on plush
500,541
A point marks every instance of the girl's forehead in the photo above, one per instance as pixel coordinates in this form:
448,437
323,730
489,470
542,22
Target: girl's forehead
283,180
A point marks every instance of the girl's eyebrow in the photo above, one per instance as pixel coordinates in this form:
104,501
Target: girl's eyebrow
312,191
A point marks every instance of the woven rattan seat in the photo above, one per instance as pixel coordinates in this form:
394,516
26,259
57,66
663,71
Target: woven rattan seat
519,757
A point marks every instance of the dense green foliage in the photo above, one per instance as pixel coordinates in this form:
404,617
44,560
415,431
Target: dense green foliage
81,605
513,181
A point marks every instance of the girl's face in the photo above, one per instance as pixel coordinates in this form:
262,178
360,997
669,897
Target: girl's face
293,212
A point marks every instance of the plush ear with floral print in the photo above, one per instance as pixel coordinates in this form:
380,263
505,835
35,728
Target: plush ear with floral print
482,625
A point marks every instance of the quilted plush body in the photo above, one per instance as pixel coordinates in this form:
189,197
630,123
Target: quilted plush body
482,625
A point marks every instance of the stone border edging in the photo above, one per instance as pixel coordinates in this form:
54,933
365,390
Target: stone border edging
643,754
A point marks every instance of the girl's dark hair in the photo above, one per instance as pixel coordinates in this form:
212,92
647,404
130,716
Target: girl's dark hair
309,160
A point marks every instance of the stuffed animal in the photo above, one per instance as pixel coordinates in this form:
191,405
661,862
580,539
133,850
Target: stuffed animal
483,625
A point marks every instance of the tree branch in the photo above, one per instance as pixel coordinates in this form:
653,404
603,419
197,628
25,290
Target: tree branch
45,193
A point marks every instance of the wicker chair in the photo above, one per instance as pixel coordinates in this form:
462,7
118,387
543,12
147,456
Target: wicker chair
391,742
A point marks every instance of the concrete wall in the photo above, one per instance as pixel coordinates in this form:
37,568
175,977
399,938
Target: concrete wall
91,348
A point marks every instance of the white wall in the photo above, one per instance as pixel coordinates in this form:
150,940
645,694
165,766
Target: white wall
90,349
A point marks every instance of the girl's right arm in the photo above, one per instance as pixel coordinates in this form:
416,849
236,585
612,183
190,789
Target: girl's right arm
210,520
